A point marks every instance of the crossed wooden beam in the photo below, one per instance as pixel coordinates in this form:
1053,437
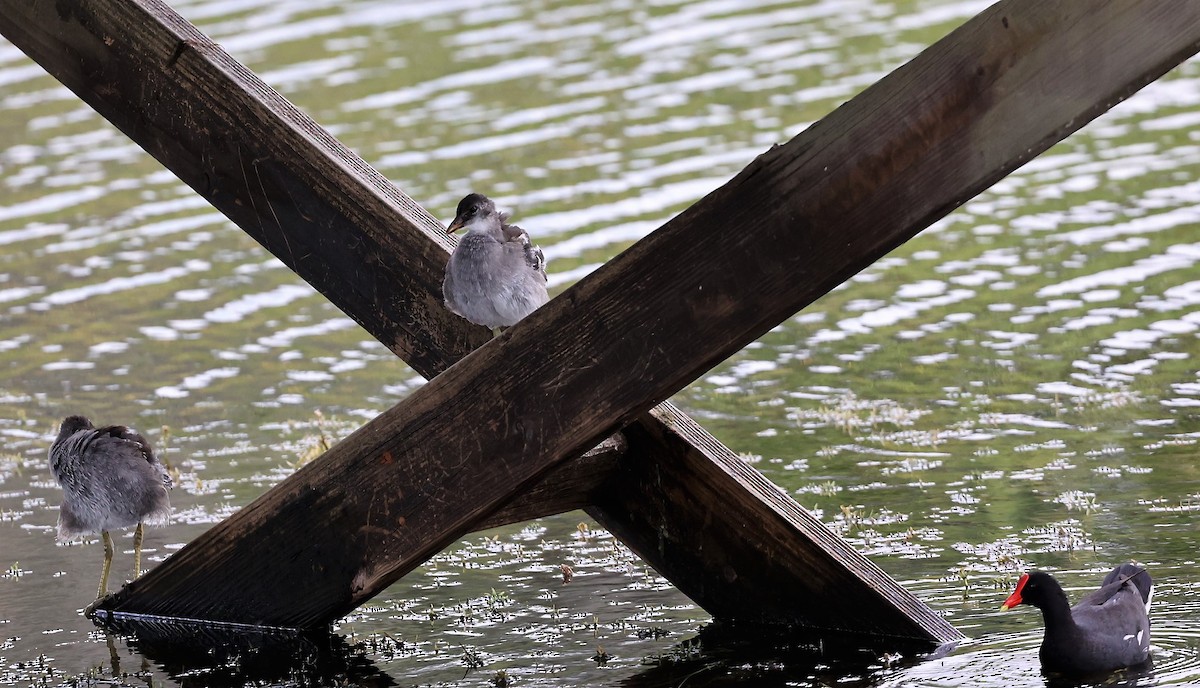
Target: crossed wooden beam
495,437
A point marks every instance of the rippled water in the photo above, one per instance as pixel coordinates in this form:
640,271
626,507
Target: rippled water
1016,387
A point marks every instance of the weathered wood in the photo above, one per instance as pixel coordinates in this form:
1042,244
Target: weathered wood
205,138
685,297
333,219
891,160
572,485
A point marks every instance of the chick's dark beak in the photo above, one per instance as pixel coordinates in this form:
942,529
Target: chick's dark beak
456,225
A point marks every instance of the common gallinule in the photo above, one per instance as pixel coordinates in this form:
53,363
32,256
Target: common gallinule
1106,630
110,479
496,276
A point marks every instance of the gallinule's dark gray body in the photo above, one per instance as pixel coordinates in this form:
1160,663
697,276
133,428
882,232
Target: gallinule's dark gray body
110,479
1106,630
495,276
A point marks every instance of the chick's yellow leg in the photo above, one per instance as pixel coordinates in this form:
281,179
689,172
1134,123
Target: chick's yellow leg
108,556
138,534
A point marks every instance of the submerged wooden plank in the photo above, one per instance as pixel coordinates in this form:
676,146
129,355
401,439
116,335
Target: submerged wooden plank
926,125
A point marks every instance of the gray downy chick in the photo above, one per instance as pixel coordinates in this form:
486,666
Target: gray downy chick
496,276
111,479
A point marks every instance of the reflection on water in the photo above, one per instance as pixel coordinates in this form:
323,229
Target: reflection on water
1016,387
218,656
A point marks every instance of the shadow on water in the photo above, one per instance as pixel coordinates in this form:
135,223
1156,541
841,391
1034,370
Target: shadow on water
721,655
1134,676
219,655
141,649
1140,676
215,655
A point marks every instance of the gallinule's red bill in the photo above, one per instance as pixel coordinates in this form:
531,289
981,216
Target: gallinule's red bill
110,479
495,276
1106,630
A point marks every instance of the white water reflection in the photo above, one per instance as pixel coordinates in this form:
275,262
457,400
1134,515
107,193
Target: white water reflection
1176,257
76,294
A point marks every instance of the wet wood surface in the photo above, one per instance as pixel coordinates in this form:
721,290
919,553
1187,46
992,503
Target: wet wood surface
798,221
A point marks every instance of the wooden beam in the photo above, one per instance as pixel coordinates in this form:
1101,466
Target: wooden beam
796,222
1113,85
572,485
208,116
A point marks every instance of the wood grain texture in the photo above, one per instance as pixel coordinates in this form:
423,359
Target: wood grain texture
798,221
569,486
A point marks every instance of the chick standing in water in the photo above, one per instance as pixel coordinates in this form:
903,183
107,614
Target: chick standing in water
110,479
495,276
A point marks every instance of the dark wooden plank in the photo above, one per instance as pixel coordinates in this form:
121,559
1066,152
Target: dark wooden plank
749,571
1113,85
298,156
797,221
345,198
567,487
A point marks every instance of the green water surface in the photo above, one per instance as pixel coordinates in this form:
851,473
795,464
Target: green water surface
1015,387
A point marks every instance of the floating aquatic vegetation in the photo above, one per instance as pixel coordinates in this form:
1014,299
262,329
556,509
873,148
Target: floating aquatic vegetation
910,465
1077,500
850,412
